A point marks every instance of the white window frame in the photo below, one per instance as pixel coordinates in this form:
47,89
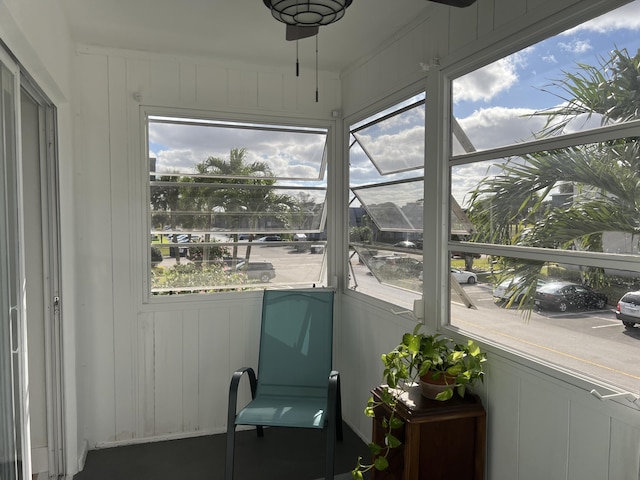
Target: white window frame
141,235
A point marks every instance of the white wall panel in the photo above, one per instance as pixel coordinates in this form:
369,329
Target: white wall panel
624,460
211,85
543,430
506,11
243,88
164,80
271,91
503,413
146,376
589,437
93,214
124,387
168,369
188,75
463,25
191,366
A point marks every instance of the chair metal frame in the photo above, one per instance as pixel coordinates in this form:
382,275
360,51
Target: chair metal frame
332,411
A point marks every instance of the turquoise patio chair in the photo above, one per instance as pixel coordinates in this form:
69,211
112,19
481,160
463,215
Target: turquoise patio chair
295,385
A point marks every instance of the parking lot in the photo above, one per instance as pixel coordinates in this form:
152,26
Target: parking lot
591,341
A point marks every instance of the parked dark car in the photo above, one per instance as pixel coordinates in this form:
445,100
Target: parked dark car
263,271
564,296
628,309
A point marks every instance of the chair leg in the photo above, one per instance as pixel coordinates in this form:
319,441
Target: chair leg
231,437
339,434
331,450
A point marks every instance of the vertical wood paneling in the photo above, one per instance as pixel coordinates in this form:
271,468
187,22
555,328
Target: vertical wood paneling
589,436
243,88
503,413
146,376
624,460
215,373
506,11
211,85
544,424
121,252
244,340
164,80
190,371
138,78
94,251
486,17
463,26
188,83
213,344
270,91
168,359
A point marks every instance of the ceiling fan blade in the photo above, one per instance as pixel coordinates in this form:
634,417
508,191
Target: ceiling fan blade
295,32
456,3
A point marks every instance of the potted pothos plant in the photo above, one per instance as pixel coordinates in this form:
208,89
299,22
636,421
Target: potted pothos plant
424,360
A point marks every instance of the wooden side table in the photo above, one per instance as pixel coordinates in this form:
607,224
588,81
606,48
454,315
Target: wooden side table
440,440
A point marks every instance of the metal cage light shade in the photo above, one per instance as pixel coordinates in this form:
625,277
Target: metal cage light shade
307,13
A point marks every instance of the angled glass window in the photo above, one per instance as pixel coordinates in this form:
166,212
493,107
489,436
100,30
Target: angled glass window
394,142
221,192
386,162
394,207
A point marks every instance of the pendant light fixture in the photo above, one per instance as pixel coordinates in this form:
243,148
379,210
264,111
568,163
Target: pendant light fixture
304,17
307,13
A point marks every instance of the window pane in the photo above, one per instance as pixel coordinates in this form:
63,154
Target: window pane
386,161
395,207
221,193
574,323
288,152
580,198
395,143
576,80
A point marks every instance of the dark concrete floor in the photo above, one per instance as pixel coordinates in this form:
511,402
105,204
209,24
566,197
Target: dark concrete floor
282,454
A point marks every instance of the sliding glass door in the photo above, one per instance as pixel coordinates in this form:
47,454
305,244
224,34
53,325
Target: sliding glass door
14,454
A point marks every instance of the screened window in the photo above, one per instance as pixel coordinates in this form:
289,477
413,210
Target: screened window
235,206
544,164
386,159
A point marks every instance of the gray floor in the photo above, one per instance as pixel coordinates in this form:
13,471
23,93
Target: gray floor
282,454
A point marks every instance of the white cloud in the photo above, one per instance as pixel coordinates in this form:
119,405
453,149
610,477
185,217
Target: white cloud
626,17
487,82
576,46
499,126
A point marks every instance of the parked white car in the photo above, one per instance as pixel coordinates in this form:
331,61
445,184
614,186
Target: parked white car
628,309
463,276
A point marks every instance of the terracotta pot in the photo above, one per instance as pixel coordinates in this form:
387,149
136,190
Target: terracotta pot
430,387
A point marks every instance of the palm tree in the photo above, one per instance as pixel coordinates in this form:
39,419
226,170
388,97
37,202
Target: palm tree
513,207
243,194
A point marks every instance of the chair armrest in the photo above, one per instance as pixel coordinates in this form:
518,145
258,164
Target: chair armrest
233,391
334,405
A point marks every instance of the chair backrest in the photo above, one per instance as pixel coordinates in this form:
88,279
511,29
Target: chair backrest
295,342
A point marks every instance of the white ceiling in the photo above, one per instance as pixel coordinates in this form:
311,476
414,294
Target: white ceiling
241,30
